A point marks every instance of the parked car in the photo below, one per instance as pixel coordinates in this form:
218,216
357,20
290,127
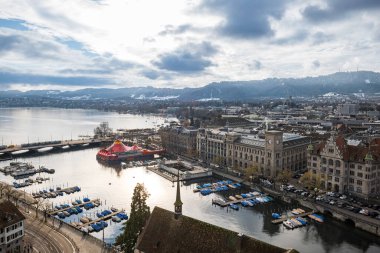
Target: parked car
343,197
364,212
373,214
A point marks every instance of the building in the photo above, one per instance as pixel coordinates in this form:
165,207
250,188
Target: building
11,227
346,166
348,109
239,148
179,140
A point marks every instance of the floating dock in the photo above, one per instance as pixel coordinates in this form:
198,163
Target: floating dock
156,170
280,220
67,190
73,206
99,219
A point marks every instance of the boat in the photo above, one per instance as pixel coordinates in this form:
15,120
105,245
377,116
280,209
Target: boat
66,213
245,203
232,198
61,215
302,220
238,196
288,224
316,217
116,219
234,207
114,209
84,229
84,219
276,216
296,222
119,152
231,186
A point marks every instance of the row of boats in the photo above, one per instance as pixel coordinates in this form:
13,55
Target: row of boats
295,223
101,224
53,193
248,200
30,181
209,188
22,170
65,210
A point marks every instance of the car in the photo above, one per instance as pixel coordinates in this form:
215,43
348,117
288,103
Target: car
378,217
373,214
319,198
340,204
364,212
332,202
356,209
343,197
304,194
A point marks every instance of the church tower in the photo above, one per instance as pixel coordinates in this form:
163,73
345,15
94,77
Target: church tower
178,202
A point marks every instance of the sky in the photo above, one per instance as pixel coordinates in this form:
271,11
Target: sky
74,44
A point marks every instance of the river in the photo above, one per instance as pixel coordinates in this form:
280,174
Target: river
114,187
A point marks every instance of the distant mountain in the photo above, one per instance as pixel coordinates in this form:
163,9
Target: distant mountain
341,82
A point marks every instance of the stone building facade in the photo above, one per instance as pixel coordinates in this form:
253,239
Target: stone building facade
345,166
179,140
271,153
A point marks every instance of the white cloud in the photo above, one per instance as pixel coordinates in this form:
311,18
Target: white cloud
121,40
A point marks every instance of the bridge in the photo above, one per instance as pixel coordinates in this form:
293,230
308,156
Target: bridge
34,147
354,219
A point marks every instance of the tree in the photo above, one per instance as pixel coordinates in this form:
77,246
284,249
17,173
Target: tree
3,187
140,212
103,130
16,195
310,180
252,172
284,176
39,202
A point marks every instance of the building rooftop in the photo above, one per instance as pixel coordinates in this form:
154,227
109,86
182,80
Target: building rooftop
9,214
164,233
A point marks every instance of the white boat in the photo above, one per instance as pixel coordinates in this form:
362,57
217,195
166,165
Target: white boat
288,224
84,229
115,219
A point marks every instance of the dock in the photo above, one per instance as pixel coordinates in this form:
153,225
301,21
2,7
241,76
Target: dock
99,219
226,203
80,205
67,190
156,170
277,221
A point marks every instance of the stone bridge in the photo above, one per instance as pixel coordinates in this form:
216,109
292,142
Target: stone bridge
357,220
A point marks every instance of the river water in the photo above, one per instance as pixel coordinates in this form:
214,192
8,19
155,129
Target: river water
114,187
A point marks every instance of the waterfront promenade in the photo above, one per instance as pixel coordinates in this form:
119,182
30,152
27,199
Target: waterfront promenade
51,235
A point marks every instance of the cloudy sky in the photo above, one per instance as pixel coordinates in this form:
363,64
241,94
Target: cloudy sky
72,44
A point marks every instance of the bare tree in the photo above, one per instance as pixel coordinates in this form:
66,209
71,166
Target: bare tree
45,208
16,195
8,191
39,202
2,188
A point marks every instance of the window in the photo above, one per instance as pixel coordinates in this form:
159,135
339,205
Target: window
331,162
352,173
331,150
337,179
359,182
337,163
360,174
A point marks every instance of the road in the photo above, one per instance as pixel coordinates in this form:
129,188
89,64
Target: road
45,239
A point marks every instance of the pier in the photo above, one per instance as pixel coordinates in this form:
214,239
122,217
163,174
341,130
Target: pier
67,190
73,206
280,220
156,170
99,219
226,203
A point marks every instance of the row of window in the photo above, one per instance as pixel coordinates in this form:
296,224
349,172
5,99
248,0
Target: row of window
14,226
15,235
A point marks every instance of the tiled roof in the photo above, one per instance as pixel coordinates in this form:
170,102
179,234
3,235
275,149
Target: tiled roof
9,214
164,233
